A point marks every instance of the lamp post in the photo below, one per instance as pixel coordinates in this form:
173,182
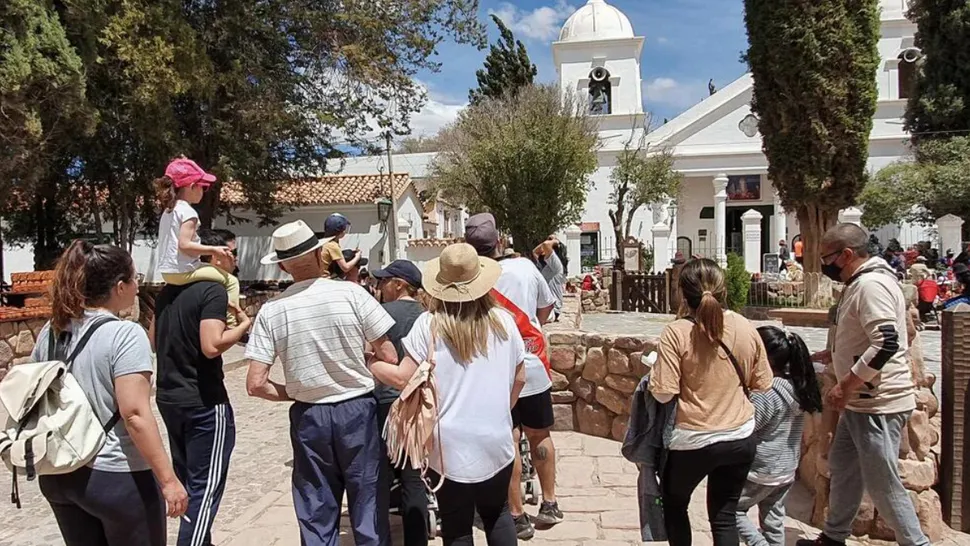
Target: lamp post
384,206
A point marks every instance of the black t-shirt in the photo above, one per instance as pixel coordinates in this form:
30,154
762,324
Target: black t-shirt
404,313
186,377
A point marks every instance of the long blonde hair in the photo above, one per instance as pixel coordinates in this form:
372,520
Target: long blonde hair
702,285
465,326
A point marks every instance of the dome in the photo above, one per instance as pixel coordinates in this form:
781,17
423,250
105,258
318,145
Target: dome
597,20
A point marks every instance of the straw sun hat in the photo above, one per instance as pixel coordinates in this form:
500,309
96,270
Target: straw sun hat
460,274
292,241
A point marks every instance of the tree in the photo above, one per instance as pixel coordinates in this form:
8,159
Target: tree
940,104
527,159
936,184
641,177
814,66
260,92
738,282
507,68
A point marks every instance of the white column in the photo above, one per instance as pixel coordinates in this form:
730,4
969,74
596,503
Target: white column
673,228
850,215
403,234
573,235
950,228
720,212
751,224
661,246
779,227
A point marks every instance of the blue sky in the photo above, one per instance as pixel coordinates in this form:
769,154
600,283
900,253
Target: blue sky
687,43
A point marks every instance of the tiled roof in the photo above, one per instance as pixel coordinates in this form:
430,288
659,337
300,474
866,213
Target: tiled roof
327,190
433,242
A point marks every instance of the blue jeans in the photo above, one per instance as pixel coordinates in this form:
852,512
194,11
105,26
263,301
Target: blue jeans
864,457
770,500
337,448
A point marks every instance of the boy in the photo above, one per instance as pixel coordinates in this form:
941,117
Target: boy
336,226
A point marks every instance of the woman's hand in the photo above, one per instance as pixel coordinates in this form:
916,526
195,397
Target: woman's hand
822,357
176,499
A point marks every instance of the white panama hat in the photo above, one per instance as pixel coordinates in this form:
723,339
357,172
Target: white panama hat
292,241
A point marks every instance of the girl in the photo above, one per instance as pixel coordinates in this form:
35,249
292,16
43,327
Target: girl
779,417
709,359
179,246
478,356
120,498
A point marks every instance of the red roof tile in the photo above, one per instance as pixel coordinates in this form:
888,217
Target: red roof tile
328,190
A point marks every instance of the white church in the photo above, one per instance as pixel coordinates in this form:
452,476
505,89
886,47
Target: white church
727,202
715,145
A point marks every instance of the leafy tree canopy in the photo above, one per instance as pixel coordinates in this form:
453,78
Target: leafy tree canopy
507,68
527,159
813,65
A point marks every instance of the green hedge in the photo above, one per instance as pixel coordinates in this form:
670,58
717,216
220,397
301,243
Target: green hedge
738,283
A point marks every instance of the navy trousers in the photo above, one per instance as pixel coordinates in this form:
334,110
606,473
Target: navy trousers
97,508
337,448
201,441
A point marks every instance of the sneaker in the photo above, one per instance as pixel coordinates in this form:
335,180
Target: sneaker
822,540
523,527
549,513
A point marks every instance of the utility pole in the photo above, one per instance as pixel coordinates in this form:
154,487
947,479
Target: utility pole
392,221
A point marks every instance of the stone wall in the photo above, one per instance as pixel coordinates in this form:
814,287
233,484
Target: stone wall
595,301
17,341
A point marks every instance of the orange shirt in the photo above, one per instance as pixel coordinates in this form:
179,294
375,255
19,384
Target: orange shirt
702,376
798,248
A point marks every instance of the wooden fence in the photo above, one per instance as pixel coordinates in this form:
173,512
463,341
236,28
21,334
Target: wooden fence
641,292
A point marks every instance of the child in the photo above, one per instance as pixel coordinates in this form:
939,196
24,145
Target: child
336,225
179,246
778,428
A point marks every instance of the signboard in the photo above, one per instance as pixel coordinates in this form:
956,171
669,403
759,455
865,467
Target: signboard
772,263
631,254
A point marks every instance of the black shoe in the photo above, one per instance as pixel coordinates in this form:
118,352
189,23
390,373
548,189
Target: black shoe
523,527
549,513
822,540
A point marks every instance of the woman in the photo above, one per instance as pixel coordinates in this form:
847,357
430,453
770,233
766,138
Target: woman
120,498
478,355
709,359
398,284
962,274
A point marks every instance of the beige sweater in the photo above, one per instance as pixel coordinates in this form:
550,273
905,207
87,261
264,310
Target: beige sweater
871,341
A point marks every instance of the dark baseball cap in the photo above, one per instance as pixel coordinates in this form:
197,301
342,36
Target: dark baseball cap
334,224
348,255
400,269
481,233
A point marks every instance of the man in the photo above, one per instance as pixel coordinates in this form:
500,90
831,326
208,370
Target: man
522,291
875,390
351,274
783,254
799,247
553,270
190,335
919,270
318,329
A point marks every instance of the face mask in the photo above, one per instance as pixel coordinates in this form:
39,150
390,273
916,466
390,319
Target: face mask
832,271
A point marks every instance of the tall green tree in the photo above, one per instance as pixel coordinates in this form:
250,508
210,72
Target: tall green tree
527,159
814,66
642,176
507,67
940,105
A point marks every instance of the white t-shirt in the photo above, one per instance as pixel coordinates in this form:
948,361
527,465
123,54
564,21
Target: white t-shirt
318,329
170,260
523,285
473,402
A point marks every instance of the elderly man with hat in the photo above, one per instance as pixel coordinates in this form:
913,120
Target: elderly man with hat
318,329
523,291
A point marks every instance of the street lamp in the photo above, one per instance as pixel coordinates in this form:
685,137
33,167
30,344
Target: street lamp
384,206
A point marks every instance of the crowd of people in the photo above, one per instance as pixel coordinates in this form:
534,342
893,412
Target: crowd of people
350,350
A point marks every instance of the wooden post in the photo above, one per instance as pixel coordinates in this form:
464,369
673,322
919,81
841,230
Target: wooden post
954,475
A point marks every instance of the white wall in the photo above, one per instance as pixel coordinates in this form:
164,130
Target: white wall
420,255
620,57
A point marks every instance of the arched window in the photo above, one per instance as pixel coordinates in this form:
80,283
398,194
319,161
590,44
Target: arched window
906,76
600,92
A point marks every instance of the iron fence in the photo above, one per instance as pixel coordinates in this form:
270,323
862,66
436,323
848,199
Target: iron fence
807,290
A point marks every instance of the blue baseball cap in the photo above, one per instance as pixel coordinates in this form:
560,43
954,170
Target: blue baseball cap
400,269
334,224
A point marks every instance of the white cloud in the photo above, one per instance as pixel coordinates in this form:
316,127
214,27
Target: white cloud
662,40
542,23
670,92
433,117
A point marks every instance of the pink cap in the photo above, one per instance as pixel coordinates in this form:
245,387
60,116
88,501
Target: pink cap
185,172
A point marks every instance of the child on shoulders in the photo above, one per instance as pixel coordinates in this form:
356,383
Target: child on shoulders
179,245
779,419
336,225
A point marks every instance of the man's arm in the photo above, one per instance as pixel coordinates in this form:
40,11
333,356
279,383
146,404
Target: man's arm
215,339
544,313
877,314
259,385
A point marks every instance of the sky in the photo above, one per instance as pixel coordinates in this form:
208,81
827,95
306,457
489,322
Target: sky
687,43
